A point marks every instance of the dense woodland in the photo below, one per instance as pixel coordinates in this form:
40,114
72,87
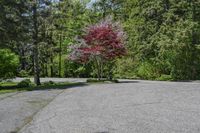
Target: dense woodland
162,38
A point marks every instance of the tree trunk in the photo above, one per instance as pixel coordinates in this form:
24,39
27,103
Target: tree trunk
101,67
46,70
60,55
110,70
51,66
22,60
194,42
35,43
98,68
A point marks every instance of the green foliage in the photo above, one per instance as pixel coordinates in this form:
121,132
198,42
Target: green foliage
48,83
8,64
125,68
147,70
23,73
73,69
24,83
11,20
7,84
163,37
165,78
166,35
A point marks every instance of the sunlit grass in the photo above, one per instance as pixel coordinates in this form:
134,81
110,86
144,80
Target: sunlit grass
8,91
4,84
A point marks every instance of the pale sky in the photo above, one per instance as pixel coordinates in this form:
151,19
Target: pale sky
90,3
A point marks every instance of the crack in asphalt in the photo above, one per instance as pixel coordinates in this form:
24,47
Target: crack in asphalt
131,107
32,116
9,96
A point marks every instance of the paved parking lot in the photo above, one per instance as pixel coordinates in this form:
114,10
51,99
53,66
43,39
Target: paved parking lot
127,107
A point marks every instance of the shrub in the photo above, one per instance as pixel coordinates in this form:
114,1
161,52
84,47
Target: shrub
72,69
23,73
165,78
147,71
24,83
125,68
48,83
8,64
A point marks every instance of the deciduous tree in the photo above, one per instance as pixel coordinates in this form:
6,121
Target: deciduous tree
101,43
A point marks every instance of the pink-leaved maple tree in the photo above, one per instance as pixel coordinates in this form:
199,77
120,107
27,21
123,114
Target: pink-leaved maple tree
100,43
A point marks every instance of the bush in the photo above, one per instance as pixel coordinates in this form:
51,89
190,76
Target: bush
125,68
77,70
8,64
24,83
23,73
165,78
147,71
48,83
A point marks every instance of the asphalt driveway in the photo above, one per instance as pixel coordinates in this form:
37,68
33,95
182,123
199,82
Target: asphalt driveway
18,109
128,107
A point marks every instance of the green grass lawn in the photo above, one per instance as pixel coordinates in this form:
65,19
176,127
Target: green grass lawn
9,87
7,84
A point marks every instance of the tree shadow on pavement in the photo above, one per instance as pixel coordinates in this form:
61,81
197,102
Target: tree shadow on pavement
46,87
128,81
57,86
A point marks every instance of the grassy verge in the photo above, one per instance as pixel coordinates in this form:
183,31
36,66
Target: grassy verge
9,87
8,91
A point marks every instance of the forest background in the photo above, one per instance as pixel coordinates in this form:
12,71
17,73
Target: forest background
163,38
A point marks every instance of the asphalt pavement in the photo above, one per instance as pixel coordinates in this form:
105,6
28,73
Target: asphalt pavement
126,107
